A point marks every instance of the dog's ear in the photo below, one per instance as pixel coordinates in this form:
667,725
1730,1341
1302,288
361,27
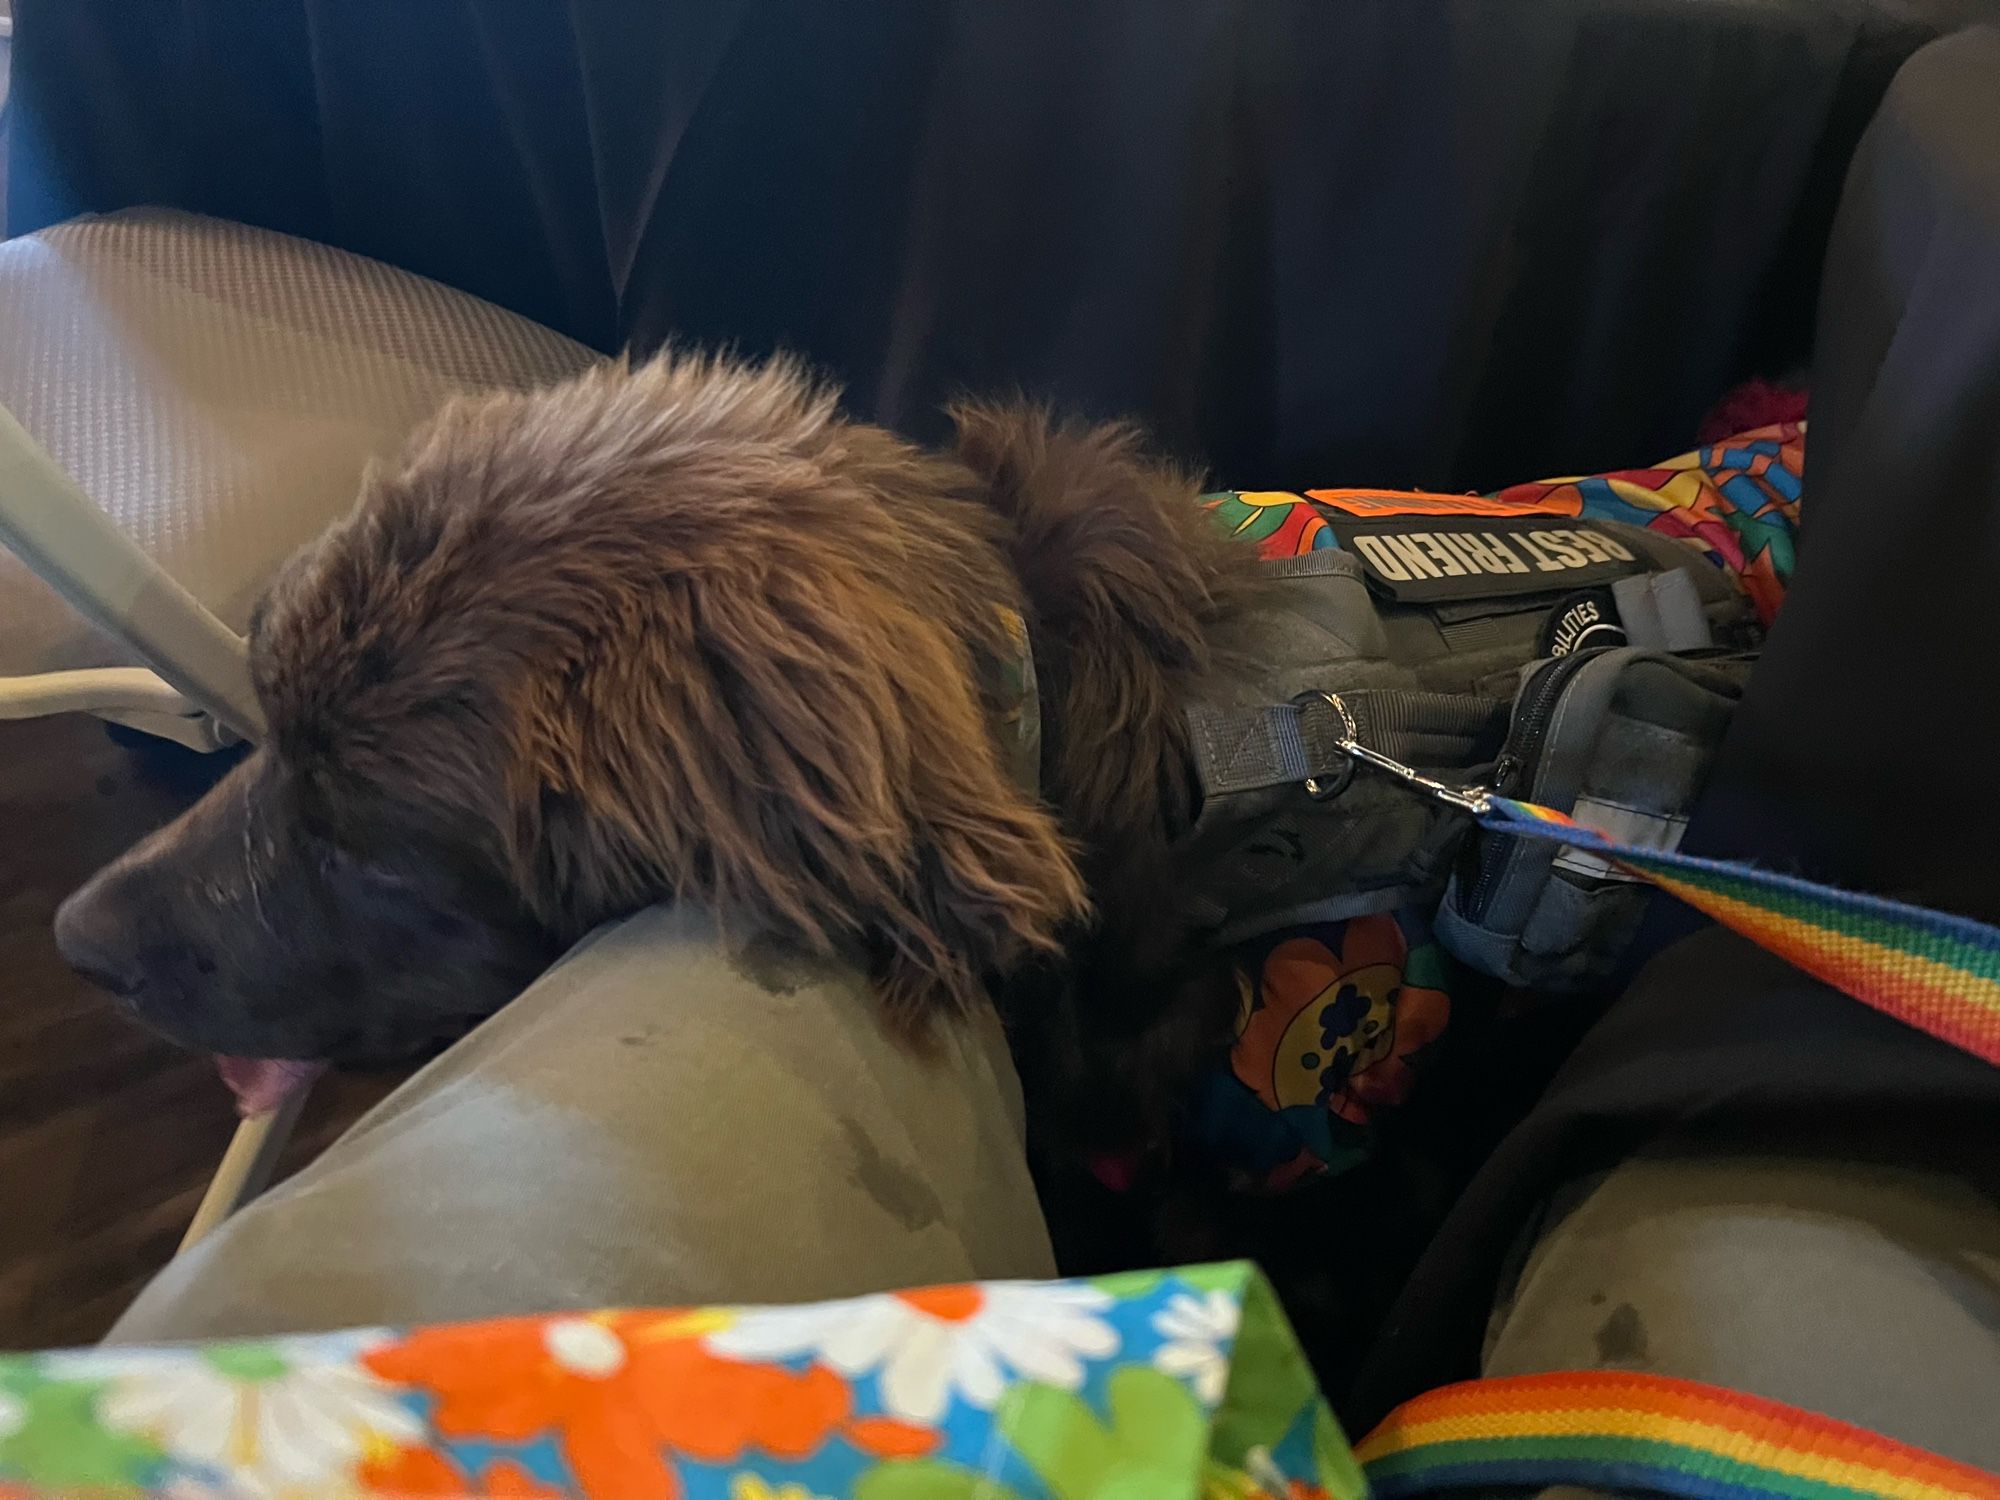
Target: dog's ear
791,728
1127,580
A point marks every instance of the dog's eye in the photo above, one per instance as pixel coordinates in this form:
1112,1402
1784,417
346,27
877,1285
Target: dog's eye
335,861
382,879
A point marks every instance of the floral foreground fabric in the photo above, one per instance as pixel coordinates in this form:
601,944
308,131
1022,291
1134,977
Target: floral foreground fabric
1161,1384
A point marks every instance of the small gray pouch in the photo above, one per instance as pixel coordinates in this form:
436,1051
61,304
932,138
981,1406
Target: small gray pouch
1619,739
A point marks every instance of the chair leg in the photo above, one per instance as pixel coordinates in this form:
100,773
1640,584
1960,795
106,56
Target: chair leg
60,533
132,690
246,1167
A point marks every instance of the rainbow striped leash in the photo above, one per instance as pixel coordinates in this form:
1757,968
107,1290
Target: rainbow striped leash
1646,1433
1927,969
1931,970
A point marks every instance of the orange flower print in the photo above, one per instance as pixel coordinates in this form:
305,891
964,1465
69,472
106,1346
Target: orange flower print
621,1392
1337,1031
424,1473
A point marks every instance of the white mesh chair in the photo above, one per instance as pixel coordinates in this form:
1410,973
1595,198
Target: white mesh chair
183,401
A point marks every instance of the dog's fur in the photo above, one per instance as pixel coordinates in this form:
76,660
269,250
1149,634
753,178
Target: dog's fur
682,632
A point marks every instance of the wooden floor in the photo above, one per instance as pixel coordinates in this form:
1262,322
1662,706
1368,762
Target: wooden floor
107,1136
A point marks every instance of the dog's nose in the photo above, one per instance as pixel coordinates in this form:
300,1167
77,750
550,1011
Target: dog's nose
92,945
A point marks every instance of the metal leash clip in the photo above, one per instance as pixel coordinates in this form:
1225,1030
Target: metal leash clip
1476,800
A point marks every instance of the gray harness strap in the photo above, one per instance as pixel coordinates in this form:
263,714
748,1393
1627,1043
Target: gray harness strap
1288,744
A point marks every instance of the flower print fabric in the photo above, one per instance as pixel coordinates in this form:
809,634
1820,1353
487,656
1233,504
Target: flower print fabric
1007,1391
1334,1025
929,1346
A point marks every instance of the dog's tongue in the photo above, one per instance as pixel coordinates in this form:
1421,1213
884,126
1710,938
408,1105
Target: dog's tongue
261,1084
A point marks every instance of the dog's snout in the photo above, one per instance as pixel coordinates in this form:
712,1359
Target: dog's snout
93,944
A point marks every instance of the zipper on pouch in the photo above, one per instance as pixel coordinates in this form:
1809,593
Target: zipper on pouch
1515,769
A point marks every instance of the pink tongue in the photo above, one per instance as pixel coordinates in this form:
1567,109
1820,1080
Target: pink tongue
261,1084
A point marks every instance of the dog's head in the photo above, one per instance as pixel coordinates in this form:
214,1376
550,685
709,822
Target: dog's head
676,632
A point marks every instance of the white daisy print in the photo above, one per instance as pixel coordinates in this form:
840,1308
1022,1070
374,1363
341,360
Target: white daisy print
279,1425
930,1344
1198,1332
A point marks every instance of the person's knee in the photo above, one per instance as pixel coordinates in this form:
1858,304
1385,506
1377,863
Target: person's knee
1801,1281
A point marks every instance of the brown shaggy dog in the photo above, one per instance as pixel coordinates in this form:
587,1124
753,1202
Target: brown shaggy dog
682,632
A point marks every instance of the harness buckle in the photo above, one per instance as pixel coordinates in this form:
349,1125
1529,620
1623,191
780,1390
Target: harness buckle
1476,800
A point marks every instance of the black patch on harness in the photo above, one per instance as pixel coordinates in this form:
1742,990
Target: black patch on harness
1583,621
1427,559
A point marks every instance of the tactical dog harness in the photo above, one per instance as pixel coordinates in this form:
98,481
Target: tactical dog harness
1577,644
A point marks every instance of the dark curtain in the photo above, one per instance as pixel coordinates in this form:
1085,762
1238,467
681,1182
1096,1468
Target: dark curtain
1380,241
